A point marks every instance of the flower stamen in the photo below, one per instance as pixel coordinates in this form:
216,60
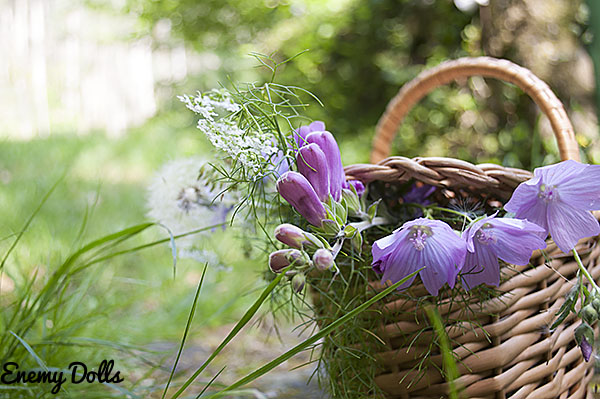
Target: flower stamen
418,236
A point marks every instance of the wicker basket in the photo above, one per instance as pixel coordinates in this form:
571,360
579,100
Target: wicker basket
513,353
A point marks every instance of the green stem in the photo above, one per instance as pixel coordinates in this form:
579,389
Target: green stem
440,209
584,270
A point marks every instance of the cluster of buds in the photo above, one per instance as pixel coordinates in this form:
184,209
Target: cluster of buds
297,256
320,178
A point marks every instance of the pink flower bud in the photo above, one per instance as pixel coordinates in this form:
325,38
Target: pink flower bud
281,259
291,235
323,259
298,282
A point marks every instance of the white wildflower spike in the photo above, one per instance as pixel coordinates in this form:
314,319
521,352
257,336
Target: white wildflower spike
251,147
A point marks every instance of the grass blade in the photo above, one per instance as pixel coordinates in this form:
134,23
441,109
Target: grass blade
28,222
185,333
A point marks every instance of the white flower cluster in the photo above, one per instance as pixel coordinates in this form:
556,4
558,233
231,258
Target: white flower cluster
184,196
251,147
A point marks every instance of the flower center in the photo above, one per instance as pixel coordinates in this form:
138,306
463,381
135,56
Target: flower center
548,193
485,234
418,236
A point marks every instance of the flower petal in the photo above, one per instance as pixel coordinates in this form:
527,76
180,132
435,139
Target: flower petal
568,225
515,240
481,267
582,190
526,204
443,257
402,262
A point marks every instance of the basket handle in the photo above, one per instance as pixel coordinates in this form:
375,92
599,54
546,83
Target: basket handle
447,71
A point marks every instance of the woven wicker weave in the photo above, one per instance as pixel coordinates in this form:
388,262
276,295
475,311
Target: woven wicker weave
517,356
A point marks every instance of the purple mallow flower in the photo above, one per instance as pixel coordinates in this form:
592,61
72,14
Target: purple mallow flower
300,194
512,240
559,198
357,184
329,146
420,243
303,131
313,165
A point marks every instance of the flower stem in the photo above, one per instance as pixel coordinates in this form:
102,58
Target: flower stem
440,209
584,271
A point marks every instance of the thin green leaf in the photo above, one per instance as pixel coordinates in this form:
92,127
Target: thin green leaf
185,333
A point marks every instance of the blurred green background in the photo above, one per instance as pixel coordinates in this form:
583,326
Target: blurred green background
88,91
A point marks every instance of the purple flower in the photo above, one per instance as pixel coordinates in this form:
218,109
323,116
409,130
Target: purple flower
329,146
300,194
419,194
512,240
559,198
303,131
420,243
357,184
313,165
586,349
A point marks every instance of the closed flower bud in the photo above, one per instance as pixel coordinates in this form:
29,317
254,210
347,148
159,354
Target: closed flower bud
596,304
323,259
329,146
298,282
351,200
312,164
357,185
300,194
291,235
589,314
584,335
281,259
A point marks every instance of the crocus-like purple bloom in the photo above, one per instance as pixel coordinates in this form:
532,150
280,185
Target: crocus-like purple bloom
300,194
329,146
303,131
357,184
313,165
512,240
559,198
420,243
